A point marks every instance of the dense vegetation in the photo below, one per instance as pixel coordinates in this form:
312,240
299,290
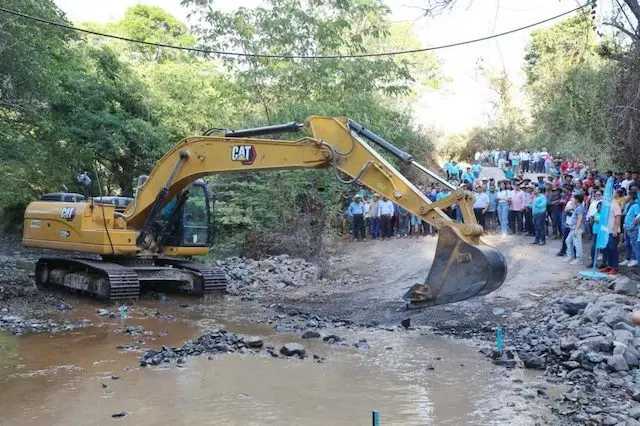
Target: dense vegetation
581,89
70,102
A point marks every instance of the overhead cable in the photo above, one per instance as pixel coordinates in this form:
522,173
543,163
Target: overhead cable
283,56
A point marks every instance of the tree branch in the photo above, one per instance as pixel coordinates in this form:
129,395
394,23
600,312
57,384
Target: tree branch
622,29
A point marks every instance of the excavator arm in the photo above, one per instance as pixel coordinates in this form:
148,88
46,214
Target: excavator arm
464,266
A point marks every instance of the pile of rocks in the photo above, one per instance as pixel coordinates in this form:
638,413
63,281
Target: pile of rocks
215,342
584,337
279,273
18,325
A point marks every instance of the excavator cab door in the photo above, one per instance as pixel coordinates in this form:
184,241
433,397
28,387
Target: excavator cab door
191,224
196,218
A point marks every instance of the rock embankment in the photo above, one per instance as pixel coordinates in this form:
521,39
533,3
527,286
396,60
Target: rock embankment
257,277
583,337
276,275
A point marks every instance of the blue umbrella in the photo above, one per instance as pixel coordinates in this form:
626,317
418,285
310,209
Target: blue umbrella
603,233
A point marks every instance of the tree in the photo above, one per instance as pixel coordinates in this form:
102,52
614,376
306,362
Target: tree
150,24
31,60
275,90
107,117
567,84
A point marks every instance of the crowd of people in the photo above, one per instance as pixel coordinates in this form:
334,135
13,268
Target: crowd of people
563,204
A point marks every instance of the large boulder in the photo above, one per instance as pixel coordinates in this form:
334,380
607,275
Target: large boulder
267,265
311,334
617,363
615,315
573,304
290,349
592,312
622,336
597,344
625,285
253,342
531,360
632,357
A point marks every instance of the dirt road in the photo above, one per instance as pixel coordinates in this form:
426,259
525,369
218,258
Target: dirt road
386,269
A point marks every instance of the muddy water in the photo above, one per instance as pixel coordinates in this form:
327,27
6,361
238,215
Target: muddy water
57,379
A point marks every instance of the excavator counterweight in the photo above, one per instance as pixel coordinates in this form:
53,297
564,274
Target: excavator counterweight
125,248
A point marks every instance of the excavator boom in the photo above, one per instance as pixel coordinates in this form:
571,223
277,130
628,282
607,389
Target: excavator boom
464,265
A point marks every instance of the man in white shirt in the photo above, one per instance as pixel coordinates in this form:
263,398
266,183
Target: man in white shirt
480,205
525,156
627,181
385,210
535,162
367,215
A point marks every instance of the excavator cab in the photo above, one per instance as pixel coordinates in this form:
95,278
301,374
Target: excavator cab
187,219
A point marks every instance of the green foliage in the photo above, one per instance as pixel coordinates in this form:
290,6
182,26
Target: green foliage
570,87
569,84
73,104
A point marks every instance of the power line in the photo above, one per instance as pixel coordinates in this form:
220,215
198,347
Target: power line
276,56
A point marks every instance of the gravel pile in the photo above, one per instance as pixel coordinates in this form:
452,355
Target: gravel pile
212,342
18,325
280,273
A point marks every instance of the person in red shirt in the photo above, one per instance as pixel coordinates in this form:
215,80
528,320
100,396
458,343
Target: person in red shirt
563,167
588,182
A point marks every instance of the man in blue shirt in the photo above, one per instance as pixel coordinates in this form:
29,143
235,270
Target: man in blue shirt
468,177
476,169
509,173
454,171
539,210
356,208
447,168
631,210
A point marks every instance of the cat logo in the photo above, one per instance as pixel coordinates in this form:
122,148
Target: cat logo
246,154
68,213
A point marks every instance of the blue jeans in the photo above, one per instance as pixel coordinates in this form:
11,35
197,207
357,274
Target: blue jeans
503,216
375,227
556,223
630,238
610,253
403,224
540,227
458,214
574,243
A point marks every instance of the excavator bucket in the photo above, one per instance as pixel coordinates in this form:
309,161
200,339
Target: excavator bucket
460,271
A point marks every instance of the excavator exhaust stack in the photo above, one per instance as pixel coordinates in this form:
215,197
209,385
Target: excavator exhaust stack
460,271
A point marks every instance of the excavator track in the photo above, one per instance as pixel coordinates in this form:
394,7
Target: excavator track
113,281
213,279
105,281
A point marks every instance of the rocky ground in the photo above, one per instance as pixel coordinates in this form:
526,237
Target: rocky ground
23,308
583,338
578,333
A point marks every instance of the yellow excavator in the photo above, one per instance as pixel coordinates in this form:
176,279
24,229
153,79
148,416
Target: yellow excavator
121,244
